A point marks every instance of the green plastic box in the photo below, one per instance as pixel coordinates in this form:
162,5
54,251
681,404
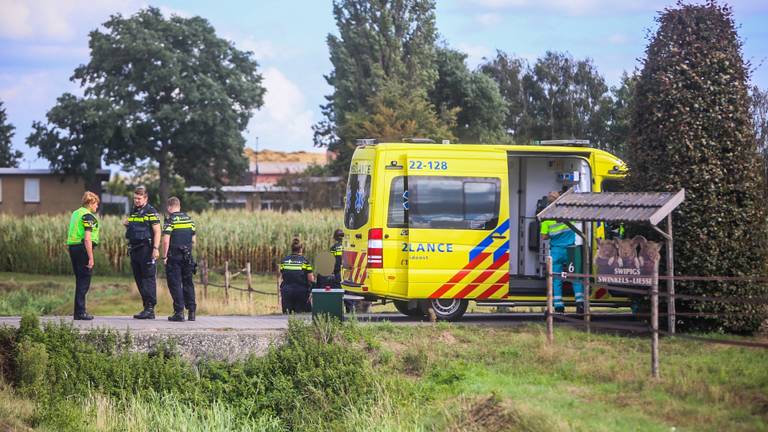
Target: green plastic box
328,301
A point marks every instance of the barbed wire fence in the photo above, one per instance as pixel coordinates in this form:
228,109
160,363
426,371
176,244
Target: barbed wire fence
651,328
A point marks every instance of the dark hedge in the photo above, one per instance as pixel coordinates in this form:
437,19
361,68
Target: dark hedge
691,129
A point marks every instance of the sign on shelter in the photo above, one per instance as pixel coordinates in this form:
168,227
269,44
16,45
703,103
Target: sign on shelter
626,261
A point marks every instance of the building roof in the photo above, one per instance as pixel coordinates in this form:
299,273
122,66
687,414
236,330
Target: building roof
317,158
256,188
20,171
267,168
635,207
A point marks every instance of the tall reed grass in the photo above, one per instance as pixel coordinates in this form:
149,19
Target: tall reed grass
36,244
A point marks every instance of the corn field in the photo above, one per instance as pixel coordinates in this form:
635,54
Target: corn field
36,244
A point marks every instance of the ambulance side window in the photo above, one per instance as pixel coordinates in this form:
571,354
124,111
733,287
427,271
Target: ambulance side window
443,202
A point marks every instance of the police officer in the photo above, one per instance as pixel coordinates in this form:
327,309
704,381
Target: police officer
82,238
178,240
143,234
560,236
295,279
337,252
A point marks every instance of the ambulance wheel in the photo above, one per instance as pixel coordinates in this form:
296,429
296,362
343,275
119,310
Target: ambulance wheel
402,307
448,309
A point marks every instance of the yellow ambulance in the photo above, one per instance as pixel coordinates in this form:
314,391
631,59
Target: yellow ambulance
443,224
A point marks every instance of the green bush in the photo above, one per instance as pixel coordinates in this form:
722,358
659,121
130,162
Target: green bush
31,367
691,128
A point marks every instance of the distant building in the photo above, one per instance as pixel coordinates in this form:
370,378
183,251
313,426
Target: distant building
269,167
276,184
41,191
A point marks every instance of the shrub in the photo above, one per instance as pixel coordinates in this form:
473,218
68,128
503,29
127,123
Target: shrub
691,129
31,367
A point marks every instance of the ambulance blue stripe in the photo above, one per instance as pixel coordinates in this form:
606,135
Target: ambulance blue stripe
501,251
488,240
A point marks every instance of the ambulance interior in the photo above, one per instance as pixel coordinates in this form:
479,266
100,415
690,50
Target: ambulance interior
531,178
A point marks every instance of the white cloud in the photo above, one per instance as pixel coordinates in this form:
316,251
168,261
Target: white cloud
488,19
262,49
284,122
56,19
618,39
475,53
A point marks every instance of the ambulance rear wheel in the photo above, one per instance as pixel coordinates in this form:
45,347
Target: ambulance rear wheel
448,309
402,307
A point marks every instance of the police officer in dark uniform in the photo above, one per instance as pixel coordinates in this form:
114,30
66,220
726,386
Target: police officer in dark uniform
295,280
337,252
143,234
178,240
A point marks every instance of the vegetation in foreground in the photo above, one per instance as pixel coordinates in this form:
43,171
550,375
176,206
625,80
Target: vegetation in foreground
327,376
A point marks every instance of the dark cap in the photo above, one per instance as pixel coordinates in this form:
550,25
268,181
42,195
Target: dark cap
338,234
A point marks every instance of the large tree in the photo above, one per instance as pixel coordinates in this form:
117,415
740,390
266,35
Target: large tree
691,128
620,115
184,94
9,158
509,73
760,121
378,42
476,97
78,135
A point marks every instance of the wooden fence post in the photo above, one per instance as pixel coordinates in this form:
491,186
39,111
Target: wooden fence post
670,282
655,321
204,275
550,299
226,282
249,281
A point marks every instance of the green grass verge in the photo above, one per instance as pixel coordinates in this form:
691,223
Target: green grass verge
384,377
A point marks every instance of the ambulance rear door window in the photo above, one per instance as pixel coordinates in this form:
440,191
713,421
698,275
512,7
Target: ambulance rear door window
356,207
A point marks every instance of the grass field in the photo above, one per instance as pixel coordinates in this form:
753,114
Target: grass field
449,377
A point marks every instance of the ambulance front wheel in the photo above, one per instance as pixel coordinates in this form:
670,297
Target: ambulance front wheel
447,309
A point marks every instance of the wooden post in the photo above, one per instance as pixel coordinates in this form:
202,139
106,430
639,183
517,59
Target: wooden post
205,278
586,268
655,321
226,282
550,300
670,282
249,281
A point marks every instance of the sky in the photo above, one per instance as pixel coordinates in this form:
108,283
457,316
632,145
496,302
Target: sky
43,41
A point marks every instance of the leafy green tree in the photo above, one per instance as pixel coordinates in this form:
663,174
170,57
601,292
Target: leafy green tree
691,128
620,115
378,42
9,158
481,110
77,136
760,120
184,95
509,73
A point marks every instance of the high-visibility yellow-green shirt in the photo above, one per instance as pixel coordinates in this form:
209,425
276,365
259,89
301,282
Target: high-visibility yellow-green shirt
82,220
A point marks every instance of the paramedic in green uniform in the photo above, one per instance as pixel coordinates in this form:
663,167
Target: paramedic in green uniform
560,236
82,238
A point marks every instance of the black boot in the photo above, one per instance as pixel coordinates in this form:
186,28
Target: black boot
191,315
580,308
559,309
85,316
177,317
147,313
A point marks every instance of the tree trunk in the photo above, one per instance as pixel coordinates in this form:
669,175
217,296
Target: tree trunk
163,170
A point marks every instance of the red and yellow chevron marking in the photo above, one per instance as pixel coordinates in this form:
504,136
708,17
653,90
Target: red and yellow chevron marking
360,269
460,275
483,276
502,282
